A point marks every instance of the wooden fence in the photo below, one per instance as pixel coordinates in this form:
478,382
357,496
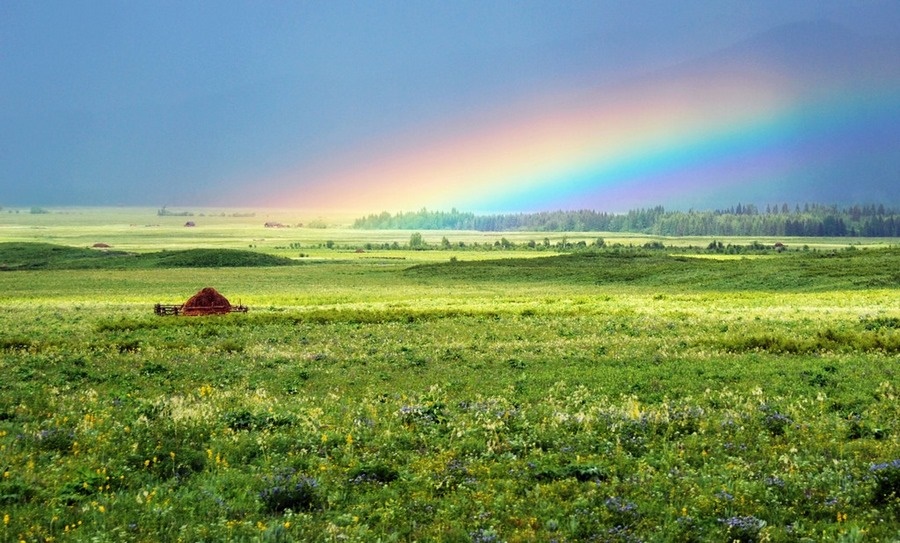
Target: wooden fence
163,309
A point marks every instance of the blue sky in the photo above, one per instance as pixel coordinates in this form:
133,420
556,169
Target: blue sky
177,102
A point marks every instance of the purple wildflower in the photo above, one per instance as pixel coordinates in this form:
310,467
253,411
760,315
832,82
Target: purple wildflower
744,529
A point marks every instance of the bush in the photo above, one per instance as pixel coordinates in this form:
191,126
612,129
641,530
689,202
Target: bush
15,492
743,529
581,473
373,473
288,490
56,438
16,343
887,481
774,421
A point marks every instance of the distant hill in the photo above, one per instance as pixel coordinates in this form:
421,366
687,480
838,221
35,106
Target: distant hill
795,272
46,256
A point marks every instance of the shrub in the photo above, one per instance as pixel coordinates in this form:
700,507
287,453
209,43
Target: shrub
17,343
485,535
15,492
373,473
129,346
623,512
56,439
887,481
231,346
240,420
288,490
581,473
879,323
743,529
774,421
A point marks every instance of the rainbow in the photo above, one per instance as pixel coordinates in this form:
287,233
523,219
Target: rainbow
610,149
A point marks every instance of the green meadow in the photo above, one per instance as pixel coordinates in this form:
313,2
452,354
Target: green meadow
475,390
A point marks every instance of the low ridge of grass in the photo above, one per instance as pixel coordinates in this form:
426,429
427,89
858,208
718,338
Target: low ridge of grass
37,256
215,258
800,272
47,256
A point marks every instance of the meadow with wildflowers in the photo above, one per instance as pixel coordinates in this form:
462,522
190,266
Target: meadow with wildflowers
611,395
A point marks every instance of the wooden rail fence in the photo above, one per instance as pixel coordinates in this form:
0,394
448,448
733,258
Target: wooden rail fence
163,309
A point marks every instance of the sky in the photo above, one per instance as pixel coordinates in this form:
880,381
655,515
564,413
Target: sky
479,105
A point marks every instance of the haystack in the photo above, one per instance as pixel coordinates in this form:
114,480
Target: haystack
206,302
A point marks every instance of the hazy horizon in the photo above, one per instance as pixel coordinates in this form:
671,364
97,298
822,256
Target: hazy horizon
482,106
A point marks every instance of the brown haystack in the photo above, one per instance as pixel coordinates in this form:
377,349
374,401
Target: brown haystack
206,302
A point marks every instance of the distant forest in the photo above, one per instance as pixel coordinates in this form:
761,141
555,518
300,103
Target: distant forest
813,220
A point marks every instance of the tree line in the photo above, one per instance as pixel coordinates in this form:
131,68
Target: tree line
813,220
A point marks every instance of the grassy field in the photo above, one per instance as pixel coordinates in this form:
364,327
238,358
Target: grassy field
479,395
142,230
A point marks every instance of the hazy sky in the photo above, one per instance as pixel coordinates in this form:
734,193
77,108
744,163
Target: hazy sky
211,103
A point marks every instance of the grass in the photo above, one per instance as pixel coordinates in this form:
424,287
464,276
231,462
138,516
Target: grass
608,396
782,272
44,256
142,230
